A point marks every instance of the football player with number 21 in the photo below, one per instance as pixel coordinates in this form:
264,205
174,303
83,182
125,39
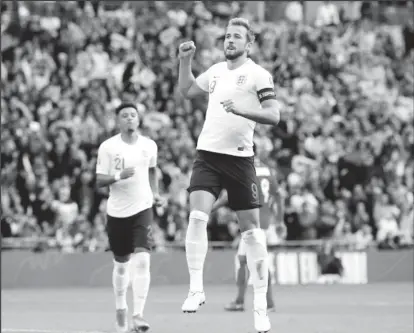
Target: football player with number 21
127,164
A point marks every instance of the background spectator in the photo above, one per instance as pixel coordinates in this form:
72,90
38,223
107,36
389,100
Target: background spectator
343,148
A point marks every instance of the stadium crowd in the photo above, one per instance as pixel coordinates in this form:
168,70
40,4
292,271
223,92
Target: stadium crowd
343,149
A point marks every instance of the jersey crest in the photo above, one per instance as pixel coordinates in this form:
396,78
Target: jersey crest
241,80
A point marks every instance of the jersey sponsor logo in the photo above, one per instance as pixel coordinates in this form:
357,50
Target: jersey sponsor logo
240,148
241,80
266,94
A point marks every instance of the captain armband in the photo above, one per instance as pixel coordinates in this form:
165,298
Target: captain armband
266,94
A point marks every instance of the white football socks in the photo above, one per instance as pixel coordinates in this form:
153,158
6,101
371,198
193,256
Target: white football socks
257,262
141,278
196,246
120,283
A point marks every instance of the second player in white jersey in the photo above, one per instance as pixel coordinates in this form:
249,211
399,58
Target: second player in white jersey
249,85
127,164
132,195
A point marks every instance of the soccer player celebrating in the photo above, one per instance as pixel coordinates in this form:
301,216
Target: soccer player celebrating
127,164
241,94
270,213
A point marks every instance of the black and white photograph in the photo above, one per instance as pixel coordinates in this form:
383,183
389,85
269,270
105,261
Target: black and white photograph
207,166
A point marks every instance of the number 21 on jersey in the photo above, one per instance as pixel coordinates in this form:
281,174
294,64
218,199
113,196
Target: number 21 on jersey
119,163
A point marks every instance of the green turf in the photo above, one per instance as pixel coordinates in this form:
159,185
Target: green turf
382,308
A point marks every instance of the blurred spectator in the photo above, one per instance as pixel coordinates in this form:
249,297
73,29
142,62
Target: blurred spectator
330,265
70,236
361,216
327,14
66,210
386,216
363,237
275,234
407,221
343,149
294,12
328,220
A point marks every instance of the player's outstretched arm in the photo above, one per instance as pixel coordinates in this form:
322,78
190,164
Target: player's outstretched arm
186,81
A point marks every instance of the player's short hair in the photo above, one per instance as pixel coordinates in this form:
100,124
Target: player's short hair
124,106
242,22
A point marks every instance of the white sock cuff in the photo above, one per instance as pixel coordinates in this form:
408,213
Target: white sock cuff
199,215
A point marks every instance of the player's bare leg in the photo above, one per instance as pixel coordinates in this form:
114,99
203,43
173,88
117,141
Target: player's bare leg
120,283
257,262
140,274
269,295
196,246
241,281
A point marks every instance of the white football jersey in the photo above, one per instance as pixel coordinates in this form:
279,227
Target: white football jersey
130,196
247,86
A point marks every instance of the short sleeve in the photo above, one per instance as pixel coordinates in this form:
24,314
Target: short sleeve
154,154
203,80
265,87
103,162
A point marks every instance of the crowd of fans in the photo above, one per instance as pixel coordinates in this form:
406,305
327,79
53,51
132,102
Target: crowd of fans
343,149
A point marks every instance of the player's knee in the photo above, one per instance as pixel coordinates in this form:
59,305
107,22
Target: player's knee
244,226
139,250
254,236
248,219
202,201
242,260
196,230
121,259
121,268
142,261
199,216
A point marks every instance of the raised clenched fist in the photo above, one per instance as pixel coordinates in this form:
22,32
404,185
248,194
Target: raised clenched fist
186,49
